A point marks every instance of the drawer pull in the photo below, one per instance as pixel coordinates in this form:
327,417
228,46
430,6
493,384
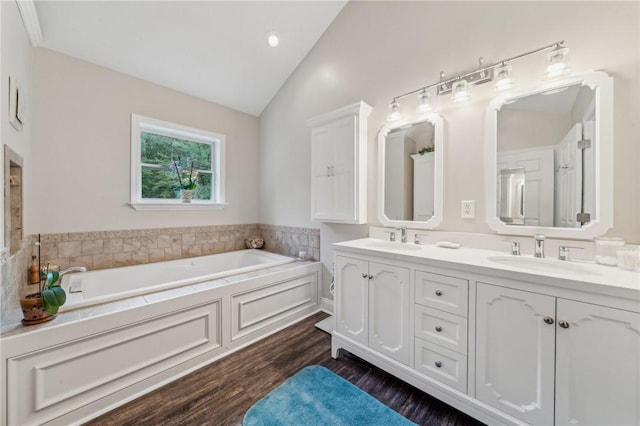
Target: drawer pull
438,364
548,320
438,292
438,328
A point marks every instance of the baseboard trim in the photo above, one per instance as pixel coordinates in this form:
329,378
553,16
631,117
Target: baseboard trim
326,305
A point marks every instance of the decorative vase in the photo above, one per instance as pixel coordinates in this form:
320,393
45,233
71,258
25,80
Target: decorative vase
33,310
187,195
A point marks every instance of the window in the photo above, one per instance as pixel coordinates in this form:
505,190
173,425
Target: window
157,147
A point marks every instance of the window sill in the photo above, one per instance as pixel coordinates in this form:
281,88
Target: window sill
194,205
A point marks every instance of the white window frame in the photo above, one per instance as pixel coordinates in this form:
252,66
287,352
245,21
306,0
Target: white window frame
141,124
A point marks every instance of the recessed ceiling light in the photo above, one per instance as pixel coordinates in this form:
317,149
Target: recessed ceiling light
272,39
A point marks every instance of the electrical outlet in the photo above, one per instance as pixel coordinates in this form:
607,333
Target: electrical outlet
468,209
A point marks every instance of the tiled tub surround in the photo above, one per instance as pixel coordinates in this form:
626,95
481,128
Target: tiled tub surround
109,249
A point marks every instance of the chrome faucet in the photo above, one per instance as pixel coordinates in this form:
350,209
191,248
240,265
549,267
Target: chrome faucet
515,248
403,234
72,269
538,246
563,252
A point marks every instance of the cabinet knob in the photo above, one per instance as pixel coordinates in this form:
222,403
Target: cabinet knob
370,277
438,292
548,320
365,275
563,324
438,328
438,364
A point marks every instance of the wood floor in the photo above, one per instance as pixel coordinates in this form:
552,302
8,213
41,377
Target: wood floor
220,393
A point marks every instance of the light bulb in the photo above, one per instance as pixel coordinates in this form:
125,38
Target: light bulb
424,102
557,62
394,111
460,91
272,39
503,78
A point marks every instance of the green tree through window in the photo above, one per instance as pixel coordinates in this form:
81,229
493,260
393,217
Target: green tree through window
161,182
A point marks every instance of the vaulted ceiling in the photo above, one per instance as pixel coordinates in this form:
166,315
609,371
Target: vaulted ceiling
215,50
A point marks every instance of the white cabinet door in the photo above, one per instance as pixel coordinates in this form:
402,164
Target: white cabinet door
515,352
389,311
597,365
322,156
352,295
344,169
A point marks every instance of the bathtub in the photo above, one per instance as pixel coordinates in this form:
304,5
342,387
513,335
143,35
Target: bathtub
90,360
95,287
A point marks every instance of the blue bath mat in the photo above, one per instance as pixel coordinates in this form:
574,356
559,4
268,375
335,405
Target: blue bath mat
316,396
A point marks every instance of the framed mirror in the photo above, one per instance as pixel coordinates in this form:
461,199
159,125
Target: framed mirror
410,160
550,159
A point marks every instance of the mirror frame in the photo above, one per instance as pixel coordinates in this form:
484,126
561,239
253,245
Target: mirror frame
602,84
438,141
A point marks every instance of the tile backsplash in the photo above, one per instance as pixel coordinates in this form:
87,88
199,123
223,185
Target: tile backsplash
110,249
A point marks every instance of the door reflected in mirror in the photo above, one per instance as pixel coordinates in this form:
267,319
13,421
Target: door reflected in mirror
410,173
549,138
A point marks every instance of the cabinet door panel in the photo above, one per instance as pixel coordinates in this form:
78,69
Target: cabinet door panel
322,152
343,173
352,298
389,311
515,352
597,365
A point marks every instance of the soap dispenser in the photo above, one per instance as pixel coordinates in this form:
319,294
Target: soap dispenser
34,271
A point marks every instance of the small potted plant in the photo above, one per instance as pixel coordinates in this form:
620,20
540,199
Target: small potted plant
43,306
187,177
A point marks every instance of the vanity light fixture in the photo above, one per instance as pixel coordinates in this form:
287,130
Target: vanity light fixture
424,102
394,111
500,71
557,62
503,78
460,92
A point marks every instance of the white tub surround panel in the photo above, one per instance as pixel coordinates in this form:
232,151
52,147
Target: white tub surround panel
506,339
91,360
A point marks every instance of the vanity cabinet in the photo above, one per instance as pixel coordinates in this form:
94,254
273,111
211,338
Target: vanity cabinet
507,346
372,305
548,360
339,165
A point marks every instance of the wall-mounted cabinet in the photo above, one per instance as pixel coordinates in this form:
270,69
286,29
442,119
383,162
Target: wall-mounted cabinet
339,165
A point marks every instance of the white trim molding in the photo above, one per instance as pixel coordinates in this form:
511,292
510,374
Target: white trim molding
30,21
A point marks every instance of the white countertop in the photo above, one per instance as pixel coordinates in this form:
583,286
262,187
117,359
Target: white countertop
582,275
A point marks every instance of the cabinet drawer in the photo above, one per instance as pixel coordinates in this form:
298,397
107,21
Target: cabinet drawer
441,364
442,292
442,328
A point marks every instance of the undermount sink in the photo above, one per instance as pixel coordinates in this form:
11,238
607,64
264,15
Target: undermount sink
390,245
543,265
